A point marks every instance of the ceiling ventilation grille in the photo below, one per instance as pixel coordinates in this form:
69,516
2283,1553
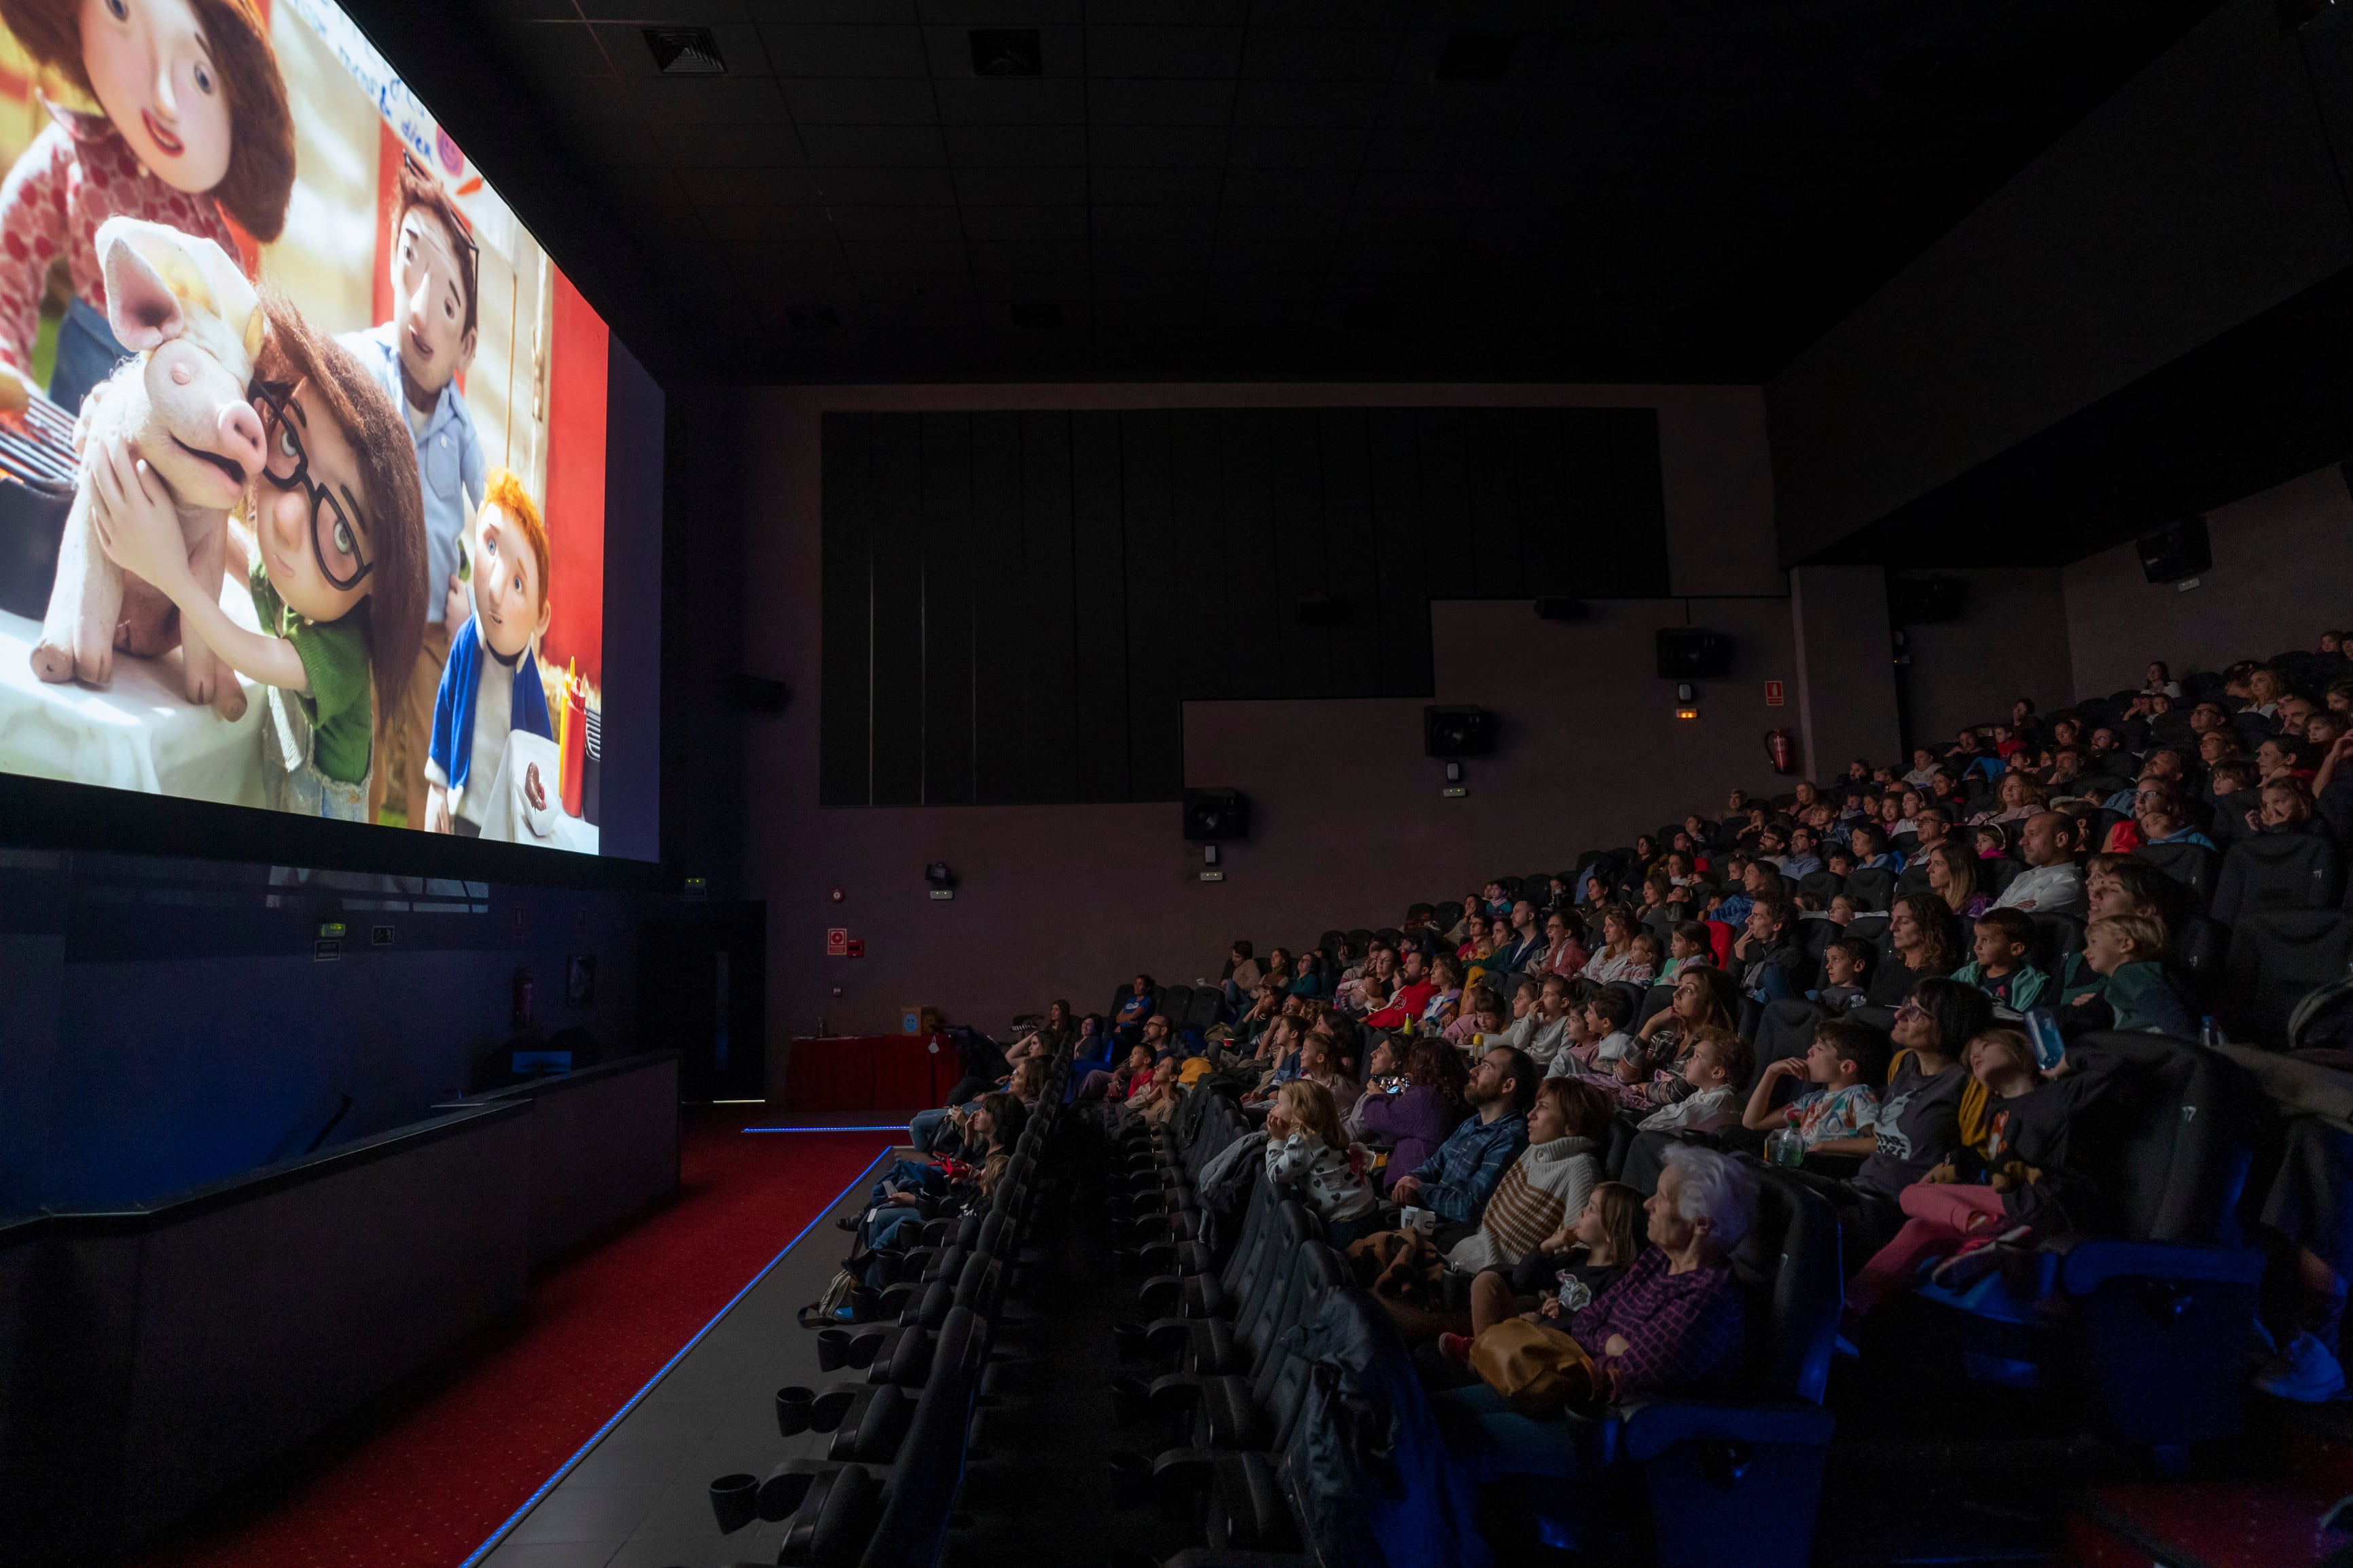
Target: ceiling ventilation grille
685,51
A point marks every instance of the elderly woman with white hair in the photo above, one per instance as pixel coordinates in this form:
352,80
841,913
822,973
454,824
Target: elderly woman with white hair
1674,1321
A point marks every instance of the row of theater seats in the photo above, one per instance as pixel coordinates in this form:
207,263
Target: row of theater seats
1259,1374
884,1495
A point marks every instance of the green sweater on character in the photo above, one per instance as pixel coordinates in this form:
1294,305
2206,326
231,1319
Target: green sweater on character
335,656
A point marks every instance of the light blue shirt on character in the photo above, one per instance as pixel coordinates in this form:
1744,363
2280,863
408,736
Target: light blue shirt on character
450,468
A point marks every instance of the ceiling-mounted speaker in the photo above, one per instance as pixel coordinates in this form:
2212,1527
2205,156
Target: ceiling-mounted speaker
1560,609
1687,653
1213,816
1323,612
1457,732
2178,550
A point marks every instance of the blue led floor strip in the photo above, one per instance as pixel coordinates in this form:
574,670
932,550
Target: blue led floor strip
885,1127
565,1469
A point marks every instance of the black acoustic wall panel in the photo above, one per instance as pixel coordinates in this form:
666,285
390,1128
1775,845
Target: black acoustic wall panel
1017,605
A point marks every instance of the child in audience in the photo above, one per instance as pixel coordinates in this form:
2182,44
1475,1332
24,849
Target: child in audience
2012,1182
2000,969
1687,943
2127,952
1846,968
1584,1257
1482,1014
1647,959
1307,1157
1844,1063
1714,1066
1597,1035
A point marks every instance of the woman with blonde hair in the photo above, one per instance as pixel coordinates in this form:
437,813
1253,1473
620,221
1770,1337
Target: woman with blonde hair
1307,1158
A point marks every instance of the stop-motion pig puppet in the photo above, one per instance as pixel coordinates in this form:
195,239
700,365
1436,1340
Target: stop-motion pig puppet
194,324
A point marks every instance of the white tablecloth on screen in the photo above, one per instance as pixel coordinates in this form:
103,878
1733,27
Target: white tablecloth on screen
138,734
510,818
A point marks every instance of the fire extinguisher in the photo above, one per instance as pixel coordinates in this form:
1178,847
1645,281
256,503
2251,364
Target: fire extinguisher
1782,747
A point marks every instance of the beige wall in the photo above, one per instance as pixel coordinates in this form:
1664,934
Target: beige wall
2283,570
1064,899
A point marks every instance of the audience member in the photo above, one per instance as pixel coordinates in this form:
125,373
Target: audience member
1997,966
1924,936
1415,1117
1455,1182
1307,1158
1568,1124
1845,1063
2051,884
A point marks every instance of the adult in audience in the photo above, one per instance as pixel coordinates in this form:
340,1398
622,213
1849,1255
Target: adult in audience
2157,680
1135,1007
1648,1073
1924,939
2051,884
1802,860
1415,1118
1455,1183
1953,877
1614,958
1527,940
1563,953
2161,817
1674,1322
1568,1125
1772,965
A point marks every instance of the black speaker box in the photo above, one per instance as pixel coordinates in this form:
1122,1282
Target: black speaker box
1457,732
1686,653
2177,550
1215,814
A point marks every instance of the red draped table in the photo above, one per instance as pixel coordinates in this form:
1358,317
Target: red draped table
869,1072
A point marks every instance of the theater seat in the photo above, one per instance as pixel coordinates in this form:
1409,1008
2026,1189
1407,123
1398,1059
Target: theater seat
2193,865
2279,871
1736,1475
2276,958
2154,1313
1872,888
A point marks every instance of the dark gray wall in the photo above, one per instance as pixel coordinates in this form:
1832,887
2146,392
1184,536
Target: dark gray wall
2283,570
2009,641
2195,198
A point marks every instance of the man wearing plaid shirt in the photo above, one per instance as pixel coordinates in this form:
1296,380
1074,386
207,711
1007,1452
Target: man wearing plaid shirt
1455,1183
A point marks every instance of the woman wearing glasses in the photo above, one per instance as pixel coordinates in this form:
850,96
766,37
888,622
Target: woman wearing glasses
336,563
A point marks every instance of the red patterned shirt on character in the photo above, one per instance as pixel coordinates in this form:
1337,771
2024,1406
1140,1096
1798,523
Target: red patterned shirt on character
77,174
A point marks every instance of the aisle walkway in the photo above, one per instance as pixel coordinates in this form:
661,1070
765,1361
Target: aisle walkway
422,1480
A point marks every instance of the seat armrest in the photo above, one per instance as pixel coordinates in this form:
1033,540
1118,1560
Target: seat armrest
2092,1261
1648,1428
1161,1289
1173,1393
1181,1473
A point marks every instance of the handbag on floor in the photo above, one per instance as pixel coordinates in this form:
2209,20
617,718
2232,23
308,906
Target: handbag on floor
1537,1368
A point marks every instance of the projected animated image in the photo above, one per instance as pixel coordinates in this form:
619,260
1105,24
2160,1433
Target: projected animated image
302,438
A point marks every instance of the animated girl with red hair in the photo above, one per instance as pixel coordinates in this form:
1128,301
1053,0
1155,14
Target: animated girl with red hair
194,133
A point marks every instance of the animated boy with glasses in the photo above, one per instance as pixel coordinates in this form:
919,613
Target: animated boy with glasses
490,685
417,357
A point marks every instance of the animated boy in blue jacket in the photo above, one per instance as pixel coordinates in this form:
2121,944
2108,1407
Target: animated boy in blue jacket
491,686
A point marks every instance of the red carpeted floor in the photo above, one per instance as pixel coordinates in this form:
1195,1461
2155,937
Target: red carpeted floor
421,1482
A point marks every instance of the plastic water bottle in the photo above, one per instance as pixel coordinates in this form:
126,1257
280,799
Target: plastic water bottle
2210,1033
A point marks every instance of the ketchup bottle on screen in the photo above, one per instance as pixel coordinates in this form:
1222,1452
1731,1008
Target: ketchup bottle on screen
575,737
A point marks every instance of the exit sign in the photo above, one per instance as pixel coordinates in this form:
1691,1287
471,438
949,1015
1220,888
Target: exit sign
1773,694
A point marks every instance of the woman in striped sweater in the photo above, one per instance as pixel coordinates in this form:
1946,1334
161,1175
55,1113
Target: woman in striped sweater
1549,1182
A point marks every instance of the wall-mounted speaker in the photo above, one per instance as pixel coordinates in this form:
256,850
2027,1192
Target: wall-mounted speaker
1212,814
1447,732
2177,550
1686,653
